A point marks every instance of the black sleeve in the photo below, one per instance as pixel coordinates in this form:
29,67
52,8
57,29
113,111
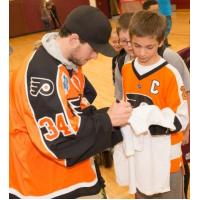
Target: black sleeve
89,91
95,134
59,126
160,130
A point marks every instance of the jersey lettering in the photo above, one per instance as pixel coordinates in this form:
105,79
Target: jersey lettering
154,86
54,128
138,99
52,132
75,105
61,124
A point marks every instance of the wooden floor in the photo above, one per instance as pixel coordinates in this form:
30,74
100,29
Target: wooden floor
99,73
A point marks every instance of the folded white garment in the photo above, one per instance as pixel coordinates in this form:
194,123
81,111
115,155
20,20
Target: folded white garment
151,115
120,165
152,165
131,141
143,161
132,175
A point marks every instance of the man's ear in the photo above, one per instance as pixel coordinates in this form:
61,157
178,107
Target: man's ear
161,43
74,39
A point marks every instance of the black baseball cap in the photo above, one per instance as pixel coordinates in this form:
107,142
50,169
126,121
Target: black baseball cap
92,26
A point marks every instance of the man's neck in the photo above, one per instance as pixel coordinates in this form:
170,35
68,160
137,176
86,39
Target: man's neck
63,45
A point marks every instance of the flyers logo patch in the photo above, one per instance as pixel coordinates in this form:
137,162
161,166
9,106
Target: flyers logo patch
41,86
75,105
138,99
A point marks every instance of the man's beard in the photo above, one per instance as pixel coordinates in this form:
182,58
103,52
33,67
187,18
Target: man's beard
73,58
75,61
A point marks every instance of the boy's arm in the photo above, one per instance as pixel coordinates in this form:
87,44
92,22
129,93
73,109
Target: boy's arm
176,98
176,60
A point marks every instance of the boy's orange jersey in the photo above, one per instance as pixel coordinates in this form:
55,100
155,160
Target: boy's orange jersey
163,87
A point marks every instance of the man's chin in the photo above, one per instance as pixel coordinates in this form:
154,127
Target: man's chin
77,63
82,63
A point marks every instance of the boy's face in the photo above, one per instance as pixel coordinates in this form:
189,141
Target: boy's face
124,39
114,41
145,48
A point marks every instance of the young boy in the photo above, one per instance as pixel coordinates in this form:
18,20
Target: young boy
114,40
160,113
125,55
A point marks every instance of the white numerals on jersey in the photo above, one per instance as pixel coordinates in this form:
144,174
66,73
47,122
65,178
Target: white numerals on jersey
154,86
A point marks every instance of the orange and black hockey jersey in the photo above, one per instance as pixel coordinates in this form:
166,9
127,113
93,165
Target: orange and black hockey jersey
54,131
161,86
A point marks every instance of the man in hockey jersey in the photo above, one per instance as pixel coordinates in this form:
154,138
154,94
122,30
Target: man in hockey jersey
54,131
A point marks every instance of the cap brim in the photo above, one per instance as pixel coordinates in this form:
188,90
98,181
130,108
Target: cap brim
105,49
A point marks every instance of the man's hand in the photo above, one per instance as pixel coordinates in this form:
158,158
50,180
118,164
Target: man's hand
119,113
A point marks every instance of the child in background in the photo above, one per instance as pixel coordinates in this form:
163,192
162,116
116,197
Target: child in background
121,43
105,158
114,40
125,54
160,114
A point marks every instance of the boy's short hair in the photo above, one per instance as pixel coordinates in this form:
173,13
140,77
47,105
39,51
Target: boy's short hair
149,3
124,21
146,23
